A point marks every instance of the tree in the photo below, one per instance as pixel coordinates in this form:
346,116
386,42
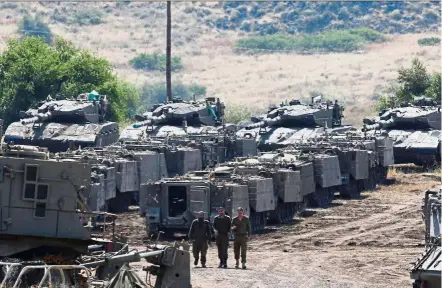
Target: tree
30,70
34,27
411,82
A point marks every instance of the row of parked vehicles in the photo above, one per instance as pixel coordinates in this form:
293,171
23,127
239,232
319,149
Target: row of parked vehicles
181,158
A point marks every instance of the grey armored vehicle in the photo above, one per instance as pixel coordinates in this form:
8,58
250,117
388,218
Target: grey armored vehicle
62,124
47,225
177,118
426,271
293,122
415,131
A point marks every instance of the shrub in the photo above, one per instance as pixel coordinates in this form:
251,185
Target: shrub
332,41
155,62
236,113
34,27
432,41
88,17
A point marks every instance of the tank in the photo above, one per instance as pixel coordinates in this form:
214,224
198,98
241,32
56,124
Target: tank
414,129
177,118
426,271
62,124
293,122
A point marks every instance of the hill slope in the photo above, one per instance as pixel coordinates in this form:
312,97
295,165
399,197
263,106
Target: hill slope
121,31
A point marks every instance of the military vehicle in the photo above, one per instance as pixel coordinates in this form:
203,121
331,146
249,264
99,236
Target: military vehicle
62,124
293,122
426,271
415,131
177,118
43,229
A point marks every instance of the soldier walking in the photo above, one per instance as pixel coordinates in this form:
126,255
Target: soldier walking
221,226
200,234
241,230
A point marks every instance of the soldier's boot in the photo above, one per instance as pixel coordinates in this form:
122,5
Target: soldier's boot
220,265
244,265
225,265
203,265
195,262
237,263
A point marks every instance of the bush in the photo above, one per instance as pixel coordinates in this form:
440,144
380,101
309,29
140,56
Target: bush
34,27
236,113
157,93
411,82
432,41
332,41
155,62
88,17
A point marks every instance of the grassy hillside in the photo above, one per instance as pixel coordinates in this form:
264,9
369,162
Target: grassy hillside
205,36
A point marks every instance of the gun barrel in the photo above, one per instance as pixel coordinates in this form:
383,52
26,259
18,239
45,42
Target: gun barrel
130,257
40,117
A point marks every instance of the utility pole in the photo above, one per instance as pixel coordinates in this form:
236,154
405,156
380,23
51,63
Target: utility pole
168,55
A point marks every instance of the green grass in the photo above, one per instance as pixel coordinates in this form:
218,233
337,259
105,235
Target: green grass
155,62
331,41
431,41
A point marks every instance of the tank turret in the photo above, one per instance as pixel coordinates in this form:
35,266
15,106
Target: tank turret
414,129
296,114
173,116
63,124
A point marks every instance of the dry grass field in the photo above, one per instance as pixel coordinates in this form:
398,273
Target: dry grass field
209,58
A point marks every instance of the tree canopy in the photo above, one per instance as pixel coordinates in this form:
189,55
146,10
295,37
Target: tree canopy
30,70
411,82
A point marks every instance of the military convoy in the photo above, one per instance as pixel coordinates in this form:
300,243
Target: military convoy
46,226
65,124
426,271
415,130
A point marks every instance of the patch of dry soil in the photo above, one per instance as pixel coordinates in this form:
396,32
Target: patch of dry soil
355,243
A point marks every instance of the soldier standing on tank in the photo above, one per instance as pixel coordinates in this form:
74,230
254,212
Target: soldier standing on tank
221,226
241,230
200,234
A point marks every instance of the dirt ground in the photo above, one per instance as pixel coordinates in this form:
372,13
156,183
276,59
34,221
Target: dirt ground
355,243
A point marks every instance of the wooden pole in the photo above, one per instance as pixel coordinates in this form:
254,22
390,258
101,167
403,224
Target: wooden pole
168,55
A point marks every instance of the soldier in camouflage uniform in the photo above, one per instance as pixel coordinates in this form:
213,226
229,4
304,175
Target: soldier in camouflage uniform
200,234
221,226
241,229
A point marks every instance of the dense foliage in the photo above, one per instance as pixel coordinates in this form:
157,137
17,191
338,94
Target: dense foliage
30,70
331,41
155,62
430,41
88,17
34,27
411,82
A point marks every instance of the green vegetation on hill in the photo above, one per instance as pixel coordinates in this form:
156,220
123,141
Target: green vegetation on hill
155,62
296,17
331,41
30,70
34,27
411,82
431,41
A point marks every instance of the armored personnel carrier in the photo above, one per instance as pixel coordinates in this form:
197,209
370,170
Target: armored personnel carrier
414,129
177,118
426,271
47,226
293,122
62,124
172,204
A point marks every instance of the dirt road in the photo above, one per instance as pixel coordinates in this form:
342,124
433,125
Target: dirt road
355,243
